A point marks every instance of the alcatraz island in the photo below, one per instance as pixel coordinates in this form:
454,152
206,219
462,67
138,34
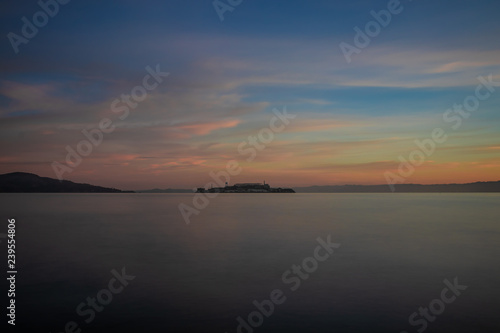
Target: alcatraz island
246,188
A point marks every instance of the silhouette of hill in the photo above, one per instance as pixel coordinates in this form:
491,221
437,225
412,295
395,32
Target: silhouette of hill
22,182
404,188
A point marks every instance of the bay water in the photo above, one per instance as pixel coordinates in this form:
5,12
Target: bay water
256,262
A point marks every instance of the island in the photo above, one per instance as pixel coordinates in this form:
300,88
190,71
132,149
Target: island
245,188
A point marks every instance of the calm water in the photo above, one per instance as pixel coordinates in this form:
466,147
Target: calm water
396,251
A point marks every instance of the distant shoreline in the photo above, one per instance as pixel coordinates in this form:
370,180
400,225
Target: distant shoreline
477,187
21,182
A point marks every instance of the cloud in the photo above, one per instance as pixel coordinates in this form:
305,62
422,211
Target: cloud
207,127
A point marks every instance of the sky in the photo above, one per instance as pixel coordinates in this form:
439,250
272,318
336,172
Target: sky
361,94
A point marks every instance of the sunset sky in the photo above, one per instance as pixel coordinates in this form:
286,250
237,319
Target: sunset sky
353,119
